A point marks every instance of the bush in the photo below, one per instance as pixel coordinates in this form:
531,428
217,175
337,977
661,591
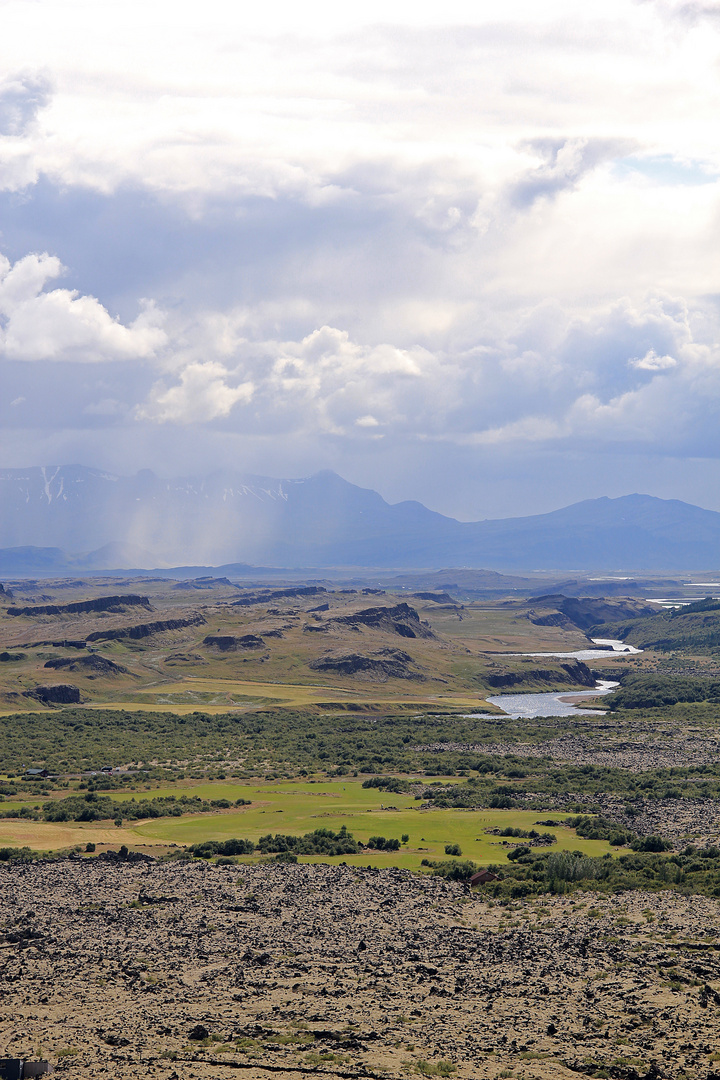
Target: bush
319,842
453,849
381,843
453,871
564,866
387,783
657,691
651,843
225,848
501,802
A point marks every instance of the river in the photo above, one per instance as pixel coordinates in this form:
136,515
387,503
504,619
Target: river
531,705
527,706
612,648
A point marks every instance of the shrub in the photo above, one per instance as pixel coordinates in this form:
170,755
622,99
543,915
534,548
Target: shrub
380,843
518,853
453,871
651,843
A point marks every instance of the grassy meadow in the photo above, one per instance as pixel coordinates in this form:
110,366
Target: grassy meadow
297,808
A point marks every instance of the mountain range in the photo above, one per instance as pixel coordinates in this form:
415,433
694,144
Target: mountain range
73,518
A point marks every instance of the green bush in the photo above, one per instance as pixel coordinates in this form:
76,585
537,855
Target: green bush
380,843
452,870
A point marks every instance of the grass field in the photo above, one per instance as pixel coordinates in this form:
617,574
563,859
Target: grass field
302,807
215,695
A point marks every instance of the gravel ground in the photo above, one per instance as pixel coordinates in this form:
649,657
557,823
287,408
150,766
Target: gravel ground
111,968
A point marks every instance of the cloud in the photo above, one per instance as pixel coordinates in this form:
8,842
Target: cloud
62,325
21,98
652,362
367,232
202,394
565,163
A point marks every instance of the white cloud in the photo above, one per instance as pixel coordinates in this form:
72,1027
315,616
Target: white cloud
444,224
22,95
652,362
62,325
203,394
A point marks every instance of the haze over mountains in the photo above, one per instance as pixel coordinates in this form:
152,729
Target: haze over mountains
73,518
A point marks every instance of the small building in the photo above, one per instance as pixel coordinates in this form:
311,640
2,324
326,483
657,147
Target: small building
483,877
17,1069
36,774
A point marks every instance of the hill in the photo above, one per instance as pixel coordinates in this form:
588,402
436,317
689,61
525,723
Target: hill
694,628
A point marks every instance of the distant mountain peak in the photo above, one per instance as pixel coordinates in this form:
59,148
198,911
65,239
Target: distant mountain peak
324,520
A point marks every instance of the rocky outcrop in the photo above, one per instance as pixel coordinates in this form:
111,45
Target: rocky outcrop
230,643
384,664
93,665
143,630
266,596
111,604
573,673
401,619
59,694
586,612
205,583
556,618
435,597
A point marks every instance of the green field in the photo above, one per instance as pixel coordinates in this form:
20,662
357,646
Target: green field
299,808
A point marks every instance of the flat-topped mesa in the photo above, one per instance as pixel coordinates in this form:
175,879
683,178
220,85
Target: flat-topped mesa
114,605
401,619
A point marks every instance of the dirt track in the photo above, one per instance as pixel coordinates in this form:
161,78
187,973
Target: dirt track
339,972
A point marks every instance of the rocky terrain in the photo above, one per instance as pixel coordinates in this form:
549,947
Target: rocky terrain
112,604
136,968
638,747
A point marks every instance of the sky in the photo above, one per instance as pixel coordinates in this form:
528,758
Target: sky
465,253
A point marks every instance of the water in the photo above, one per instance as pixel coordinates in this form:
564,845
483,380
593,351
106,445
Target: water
527,706
590,654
